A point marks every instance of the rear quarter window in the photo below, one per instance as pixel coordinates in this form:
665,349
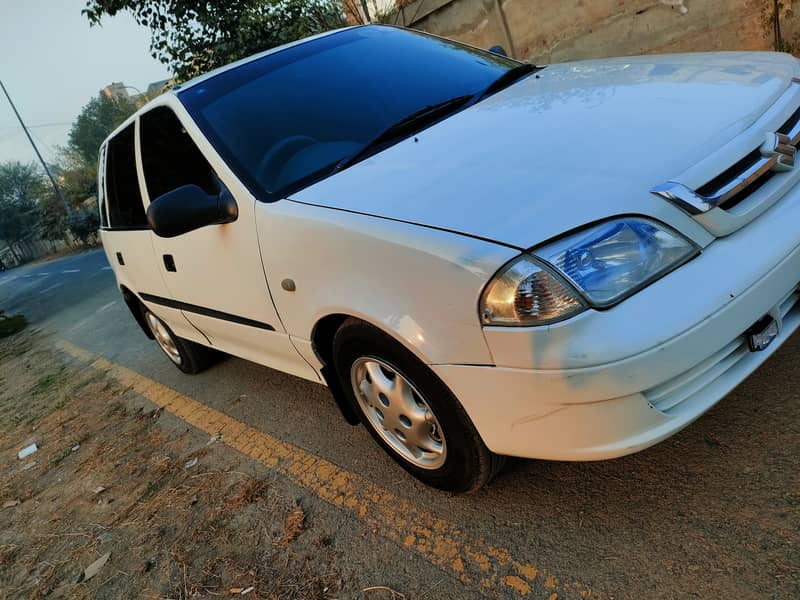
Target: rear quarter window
101,188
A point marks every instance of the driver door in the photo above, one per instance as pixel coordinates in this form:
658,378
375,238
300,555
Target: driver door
214,274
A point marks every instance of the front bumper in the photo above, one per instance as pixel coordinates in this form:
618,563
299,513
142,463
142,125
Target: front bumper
535,414
671,352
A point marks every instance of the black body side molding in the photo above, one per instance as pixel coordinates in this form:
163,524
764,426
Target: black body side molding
347,409
207,312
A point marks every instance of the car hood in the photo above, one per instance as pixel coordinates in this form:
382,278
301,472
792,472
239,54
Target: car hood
577,143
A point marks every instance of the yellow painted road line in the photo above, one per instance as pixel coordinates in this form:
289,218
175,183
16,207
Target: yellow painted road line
491,569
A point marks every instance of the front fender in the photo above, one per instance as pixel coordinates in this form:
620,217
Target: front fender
420,285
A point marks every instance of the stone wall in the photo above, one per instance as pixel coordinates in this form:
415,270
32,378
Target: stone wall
547,31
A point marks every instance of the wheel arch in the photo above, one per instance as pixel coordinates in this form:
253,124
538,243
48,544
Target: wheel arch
325,328
322,334
135,306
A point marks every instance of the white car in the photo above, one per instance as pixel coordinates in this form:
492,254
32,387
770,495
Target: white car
479,257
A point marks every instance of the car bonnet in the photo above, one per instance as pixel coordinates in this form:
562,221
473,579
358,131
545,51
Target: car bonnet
574,144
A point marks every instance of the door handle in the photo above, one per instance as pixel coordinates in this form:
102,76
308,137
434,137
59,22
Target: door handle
169,263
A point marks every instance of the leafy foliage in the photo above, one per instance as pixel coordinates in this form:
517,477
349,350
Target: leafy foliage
97,119
52,218
194,37
21,186
84,224
11,325
77,176
78,168
29,208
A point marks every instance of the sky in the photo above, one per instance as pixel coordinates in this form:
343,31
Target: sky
53,63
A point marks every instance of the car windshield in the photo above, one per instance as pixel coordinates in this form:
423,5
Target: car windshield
290,118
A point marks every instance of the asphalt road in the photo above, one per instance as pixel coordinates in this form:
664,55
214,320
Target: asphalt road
713,512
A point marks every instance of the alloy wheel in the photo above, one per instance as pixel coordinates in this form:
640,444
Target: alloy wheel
163,337
398,412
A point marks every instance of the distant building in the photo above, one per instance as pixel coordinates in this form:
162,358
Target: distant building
118,91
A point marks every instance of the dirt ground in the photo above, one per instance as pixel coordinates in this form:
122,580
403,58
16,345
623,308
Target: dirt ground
177,514
284,511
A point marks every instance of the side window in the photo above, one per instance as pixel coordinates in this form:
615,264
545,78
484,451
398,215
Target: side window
101,188
125,209
170,158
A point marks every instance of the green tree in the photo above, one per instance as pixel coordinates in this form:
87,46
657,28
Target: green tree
77,177
97,119
84,223
77,164
194,37
21,187
52,218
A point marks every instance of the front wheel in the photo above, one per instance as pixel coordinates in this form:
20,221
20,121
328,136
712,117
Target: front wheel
410,412
188,356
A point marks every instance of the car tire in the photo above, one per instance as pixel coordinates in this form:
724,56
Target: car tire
410,412
188,356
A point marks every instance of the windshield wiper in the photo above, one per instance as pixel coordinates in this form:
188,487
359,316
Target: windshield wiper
428,114
405,126
505,80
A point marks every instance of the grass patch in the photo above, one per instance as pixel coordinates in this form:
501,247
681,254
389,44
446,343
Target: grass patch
153,487
47,382
11,325
88,380
62,402
64,453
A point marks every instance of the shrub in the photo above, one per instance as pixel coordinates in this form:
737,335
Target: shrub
84,225
11,325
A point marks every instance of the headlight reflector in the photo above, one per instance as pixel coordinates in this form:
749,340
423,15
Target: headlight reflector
614,259
598,266
526,293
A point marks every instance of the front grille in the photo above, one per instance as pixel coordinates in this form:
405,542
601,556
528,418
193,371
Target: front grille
787,127
724,178
668,396
755,169
734,173
675,395
774,155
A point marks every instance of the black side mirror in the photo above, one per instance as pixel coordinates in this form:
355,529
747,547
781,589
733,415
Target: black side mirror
498,49
188,208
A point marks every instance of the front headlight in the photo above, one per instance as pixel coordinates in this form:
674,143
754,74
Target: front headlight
525,292
598,266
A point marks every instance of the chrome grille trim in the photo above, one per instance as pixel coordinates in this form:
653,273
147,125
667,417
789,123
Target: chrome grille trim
777,154
695,203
